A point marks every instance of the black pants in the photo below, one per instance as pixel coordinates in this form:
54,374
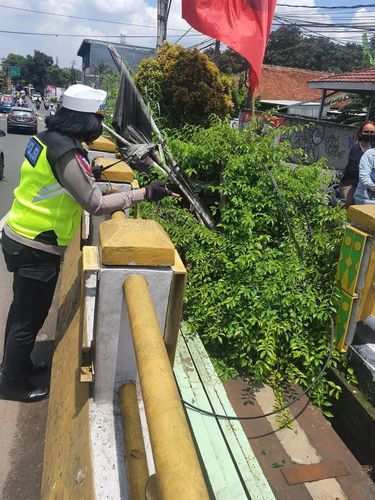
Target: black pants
35,277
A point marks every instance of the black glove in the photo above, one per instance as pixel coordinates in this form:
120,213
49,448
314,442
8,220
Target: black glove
156,191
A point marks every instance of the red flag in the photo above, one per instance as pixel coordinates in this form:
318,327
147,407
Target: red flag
243,25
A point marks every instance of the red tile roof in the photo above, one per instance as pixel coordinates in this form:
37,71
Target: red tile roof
281,83
361,75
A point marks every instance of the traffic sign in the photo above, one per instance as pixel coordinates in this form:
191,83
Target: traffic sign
14,71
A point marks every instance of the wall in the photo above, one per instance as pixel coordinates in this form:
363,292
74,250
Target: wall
323,140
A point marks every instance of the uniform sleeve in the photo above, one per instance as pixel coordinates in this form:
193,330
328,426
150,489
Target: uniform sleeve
352,168
366,166
75,177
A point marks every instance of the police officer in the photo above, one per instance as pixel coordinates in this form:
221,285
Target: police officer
56,185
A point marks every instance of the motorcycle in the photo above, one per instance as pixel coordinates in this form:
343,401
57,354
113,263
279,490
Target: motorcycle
333,193
46,105
37,105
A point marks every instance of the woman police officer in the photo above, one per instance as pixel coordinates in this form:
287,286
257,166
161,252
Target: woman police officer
56,184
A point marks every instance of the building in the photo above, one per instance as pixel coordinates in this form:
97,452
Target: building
95,56
287,90
360,82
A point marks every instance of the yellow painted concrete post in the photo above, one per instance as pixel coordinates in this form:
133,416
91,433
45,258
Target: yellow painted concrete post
363,217
135,453
178,472
355,274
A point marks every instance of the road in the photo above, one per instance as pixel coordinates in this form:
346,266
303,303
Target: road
13,146
22,425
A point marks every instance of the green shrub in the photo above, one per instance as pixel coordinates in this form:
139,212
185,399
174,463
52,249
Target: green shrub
261,310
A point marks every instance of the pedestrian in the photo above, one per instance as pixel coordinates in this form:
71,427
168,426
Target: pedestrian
365,192
56,186
349,180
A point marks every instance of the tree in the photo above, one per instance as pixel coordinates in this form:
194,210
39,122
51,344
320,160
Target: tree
186,84
287,46
368,51
100,71
21,62
61,77
229,61
37,69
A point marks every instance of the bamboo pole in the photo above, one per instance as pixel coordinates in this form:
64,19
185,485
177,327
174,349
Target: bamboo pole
178,472
202,213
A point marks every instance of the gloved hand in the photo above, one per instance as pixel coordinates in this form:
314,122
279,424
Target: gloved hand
157,190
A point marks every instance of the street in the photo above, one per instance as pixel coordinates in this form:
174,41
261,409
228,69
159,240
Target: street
13,146
23,426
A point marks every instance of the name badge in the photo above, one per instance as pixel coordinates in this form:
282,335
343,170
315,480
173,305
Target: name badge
33,150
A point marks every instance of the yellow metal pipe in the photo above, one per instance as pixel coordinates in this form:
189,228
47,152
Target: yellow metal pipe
135,453
178,472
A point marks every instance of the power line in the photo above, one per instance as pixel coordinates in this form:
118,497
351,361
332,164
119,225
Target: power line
332,7
82,18
82,36
182,36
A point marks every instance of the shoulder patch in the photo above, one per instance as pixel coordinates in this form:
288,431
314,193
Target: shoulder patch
33,150
84,162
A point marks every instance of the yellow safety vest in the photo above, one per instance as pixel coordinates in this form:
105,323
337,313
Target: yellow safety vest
42,209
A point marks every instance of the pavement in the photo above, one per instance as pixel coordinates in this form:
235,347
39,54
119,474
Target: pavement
310,440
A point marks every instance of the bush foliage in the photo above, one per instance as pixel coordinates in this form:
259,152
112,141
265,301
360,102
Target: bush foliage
261,310
185,83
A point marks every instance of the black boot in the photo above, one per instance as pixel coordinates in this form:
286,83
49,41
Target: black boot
21,391
38,368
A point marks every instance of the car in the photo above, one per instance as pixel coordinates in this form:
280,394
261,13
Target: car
22,119
2,134
36,96
6,103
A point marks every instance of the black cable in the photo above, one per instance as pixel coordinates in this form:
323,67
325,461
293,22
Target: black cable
285,213
83,18
333,7
274,412
322,371
186,32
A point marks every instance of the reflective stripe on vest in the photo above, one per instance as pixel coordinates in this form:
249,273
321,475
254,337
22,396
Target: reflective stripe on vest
42,209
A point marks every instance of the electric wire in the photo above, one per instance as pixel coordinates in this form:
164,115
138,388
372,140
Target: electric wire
73,35
328,359
186,32
32,11
332,7
278,410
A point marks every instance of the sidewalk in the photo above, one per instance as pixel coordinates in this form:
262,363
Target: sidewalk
311,440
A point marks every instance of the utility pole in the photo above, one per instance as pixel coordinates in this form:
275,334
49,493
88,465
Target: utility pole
162,22
73,72
217,50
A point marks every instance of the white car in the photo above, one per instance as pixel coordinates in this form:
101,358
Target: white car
2,134
35,97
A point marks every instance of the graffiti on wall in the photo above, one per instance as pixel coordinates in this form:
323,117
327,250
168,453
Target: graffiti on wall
332,147
321,140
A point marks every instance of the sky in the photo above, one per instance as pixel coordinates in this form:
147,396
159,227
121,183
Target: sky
139,28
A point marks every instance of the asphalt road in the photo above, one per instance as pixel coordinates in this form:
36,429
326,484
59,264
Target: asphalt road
22,427
13,146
